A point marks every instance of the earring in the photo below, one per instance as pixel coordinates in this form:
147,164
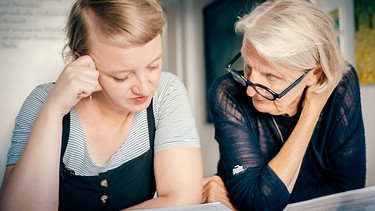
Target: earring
90,98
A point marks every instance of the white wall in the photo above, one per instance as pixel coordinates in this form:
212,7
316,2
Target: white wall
368,101
30,62
31,41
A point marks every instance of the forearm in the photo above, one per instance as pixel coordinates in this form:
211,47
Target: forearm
33,182
286,164
167,201
179,177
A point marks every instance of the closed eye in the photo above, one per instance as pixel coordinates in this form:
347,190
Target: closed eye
153,67
247,71
120,79
271,76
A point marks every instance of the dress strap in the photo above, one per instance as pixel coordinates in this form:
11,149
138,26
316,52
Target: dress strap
151,125
64,172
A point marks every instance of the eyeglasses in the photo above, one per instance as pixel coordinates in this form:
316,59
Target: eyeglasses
260,89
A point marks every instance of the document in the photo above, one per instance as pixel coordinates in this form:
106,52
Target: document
361,199
216,206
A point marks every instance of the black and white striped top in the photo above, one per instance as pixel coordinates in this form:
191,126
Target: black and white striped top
174,122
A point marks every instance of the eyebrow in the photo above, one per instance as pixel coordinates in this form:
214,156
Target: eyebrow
157,58
129,70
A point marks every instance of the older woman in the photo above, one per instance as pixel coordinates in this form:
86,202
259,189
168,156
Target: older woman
289,125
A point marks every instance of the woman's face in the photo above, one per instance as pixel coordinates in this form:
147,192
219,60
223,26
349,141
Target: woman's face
259,71
129,76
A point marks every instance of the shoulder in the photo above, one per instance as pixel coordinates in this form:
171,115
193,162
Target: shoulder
42,90
350,78
222,83
175,126
348,90
344,105
37,96
170,87
224,89
168,79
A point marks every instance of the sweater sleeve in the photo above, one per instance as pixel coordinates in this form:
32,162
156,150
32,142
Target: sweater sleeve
251,184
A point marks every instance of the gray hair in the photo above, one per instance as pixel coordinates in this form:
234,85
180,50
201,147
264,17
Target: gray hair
295,33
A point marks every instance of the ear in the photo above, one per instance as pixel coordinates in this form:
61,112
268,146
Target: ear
76,55
316,75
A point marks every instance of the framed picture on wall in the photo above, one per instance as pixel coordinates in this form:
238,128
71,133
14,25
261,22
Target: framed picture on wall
221,43
355,28
364,16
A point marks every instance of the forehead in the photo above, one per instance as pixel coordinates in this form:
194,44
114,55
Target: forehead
252,57
109,56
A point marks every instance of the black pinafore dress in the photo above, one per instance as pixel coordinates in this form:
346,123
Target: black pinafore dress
119,188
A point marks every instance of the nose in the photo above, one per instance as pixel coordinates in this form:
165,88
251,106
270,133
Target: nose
250,91
141,85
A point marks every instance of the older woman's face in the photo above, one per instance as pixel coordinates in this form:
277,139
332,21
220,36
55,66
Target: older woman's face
259,71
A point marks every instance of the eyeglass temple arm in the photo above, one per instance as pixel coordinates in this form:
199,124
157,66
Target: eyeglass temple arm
233,60
291,86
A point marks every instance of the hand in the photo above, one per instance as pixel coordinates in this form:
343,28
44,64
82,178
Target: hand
214,190
316,100
78,80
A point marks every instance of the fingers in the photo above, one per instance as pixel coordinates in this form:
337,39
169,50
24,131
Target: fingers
85,61
214,190
78,80
315,97
82,76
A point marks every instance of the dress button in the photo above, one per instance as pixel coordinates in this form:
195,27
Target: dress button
104,183
104,199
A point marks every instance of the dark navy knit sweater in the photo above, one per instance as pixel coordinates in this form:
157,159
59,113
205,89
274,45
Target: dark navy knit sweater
334,161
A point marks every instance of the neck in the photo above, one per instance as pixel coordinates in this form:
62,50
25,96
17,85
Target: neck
101,111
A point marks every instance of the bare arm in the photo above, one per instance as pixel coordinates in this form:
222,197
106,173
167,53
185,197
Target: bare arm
286,164
33,183
178,174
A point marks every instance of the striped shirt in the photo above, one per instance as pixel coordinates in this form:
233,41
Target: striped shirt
174,122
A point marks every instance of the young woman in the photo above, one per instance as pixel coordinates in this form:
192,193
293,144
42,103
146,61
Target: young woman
114,129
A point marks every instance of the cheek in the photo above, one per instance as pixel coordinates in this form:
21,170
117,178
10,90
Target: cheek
289,103
154,80
265,107
113,89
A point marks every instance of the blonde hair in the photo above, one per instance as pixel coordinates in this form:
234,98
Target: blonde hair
131,22
295,33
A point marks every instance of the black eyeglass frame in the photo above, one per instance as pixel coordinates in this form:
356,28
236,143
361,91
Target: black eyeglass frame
244,82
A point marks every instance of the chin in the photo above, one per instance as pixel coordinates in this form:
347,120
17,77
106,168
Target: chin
269,108
140,107
263,106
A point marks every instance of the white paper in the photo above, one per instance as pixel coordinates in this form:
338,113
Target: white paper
206,207
361,199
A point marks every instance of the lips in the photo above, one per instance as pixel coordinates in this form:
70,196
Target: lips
140,100
259,98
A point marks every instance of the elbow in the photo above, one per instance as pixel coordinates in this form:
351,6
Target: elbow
188,197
